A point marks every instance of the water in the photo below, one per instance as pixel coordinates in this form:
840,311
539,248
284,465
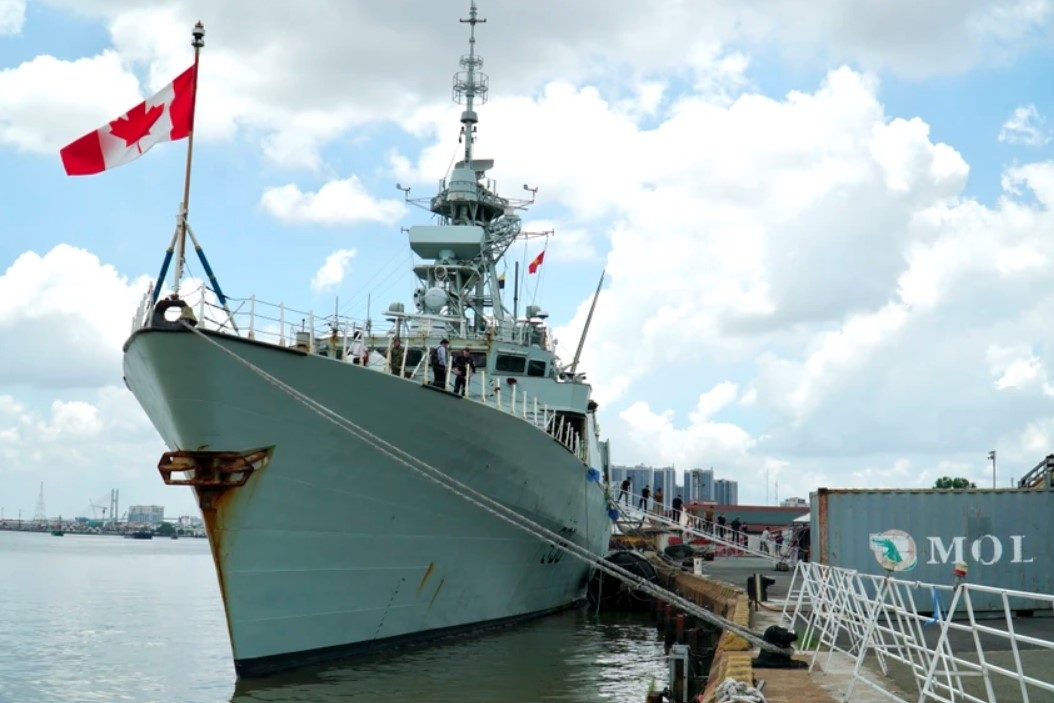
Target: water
94,618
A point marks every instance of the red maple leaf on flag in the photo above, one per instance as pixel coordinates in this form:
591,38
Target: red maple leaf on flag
136,124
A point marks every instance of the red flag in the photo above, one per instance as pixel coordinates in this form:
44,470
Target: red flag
533,266
164,117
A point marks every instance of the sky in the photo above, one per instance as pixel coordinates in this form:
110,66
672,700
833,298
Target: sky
826,226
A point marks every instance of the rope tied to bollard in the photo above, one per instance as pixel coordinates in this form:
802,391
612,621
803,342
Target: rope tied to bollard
732,691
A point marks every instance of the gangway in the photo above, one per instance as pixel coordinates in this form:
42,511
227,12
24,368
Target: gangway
1041,476
690,526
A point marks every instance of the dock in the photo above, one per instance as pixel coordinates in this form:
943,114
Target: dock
1006,662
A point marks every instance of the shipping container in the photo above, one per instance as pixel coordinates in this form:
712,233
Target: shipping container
1003,537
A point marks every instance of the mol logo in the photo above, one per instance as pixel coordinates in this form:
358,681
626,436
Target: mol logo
896,550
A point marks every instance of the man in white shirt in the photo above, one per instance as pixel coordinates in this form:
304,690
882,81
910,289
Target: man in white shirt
442,363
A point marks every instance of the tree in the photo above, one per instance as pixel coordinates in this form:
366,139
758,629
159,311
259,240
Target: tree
166,529
945,482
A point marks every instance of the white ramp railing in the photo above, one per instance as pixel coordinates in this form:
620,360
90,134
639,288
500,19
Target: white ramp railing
692,527
951,653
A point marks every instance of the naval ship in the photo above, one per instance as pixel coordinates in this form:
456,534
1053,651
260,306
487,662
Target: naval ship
352,499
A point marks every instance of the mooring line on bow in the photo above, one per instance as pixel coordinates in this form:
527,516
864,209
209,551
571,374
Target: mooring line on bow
491,506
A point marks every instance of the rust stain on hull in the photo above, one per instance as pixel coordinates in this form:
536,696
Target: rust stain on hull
428,572
214,476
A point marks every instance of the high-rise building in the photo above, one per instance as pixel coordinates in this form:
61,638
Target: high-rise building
666,479
146,514
726,492
639,476
699,485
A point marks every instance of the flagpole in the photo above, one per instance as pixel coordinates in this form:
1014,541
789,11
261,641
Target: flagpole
197,43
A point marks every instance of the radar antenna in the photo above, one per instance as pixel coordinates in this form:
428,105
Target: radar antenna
470,84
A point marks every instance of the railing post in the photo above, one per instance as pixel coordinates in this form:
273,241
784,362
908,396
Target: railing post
201,306
311,332
535,411
512,402
281,324
252,316
483,386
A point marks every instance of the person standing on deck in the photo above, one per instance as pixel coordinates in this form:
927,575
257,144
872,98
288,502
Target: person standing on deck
708,517
440,359
396,354
357,350
677,505
644,495
462,364
659,508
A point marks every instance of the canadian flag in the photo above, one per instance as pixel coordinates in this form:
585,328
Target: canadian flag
164,117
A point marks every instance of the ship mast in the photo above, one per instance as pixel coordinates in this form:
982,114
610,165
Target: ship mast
471,84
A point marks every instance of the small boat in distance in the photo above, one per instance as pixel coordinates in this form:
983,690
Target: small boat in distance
139,534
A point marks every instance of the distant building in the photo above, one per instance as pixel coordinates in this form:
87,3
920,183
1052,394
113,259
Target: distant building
189,521
726,492
699,485
666,479
639,476
146,514
795,503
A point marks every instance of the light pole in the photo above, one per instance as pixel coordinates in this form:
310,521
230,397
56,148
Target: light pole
991,457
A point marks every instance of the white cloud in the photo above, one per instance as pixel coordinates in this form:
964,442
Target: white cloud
12,16
338,202
332,272
1025,126
67,442
66,316
80,96
298,95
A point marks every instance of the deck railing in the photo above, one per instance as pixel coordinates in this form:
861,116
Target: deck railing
333,335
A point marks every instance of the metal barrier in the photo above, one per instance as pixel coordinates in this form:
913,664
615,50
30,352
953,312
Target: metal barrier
865,615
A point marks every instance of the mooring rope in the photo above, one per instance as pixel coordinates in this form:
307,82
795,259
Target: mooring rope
491,506
732,691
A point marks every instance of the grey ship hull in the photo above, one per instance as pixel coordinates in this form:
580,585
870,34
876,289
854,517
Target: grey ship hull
334,546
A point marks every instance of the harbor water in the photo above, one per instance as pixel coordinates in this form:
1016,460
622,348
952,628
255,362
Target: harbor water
100,618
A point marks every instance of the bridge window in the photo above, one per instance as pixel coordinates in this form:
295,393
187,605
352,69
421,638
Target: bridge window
535,368
507,363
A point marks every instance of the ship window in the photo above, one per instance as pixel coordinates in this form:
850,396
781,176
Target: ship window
535,368
508,363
